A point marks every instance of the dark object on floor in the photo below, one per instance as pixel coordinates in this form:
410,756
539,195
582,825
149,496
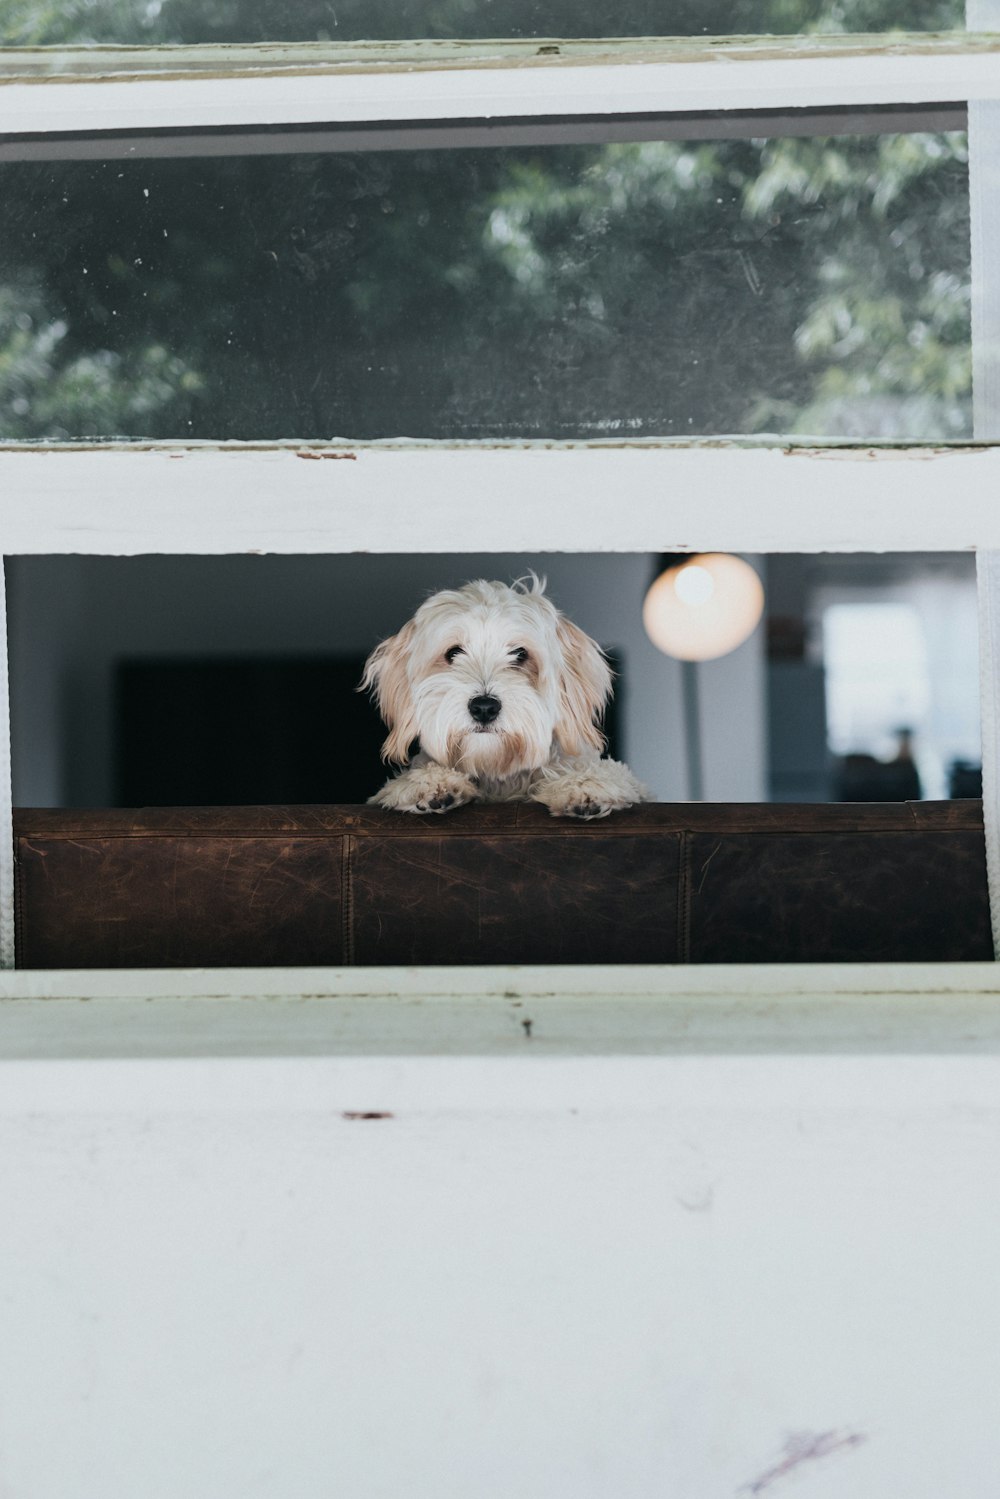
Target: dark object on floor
264,886
862,778
965,779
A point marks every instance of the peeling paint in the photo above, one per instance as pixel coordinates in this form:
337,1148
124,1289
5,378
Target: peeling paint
343,456
882,454
43,65
346,449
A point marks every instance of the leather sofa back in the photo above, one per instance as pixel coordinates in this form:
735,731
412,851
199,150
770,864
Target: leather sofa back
263,886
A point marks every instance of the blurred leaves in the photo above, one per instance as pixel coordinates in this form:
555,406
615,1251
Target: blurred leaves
147,22
888,328
670,288
856,250
44,393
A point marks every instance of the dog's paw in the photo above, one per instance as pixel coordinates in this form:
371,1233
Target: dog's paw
425,789
586,808
588,811
594,790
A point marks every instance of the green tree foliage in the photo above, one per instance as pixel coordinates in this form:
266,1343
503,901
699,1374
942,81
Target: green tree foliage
146,22
664,288
46,390
886,334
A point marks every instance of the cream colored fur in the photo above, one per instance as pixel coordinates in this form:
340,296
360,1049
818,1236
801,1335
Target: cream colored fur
552,683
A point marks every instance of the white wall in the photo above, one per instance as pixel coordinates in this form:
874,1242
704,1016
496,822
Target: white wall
71,618
644,1253
732,694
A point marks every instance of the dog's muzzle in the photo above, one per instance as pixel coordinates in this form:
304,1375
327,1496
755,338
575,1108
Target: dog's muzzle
484,709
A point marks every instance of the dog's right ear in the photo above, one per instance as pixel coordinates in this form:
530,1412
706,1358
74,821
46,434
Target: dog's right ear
585,686
386,679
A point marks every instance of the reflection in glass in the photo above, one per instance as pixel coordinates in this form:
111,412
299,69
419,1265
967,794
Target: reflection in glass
138,22
657,289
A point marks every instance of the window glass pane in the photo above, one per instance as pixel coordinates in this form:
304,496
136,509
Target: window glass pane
655,288
135,22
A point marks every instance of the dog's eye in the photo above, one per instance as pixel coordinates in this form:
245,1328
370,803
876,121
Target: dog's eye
452,652
520,655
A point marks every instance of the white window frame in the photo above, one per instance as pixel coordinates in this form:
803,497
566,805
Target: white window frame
115,88
290,497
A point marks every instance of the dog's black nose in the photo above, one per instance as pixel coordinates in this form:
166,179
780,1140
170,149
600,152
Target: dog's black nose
484,709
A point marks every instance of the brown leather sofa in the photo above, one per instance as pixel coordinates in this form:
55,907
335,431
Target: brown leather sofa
501,884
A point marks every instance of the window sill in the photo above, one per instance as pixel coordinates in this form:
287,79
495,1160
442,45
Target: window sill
513,1013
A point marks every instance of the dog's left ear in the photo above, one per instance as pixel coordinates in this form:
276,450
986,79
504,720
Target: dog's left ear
584,689
386,679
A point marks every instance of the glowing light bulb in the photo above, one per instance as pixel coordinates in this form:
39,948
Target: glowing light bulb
704,608
693,584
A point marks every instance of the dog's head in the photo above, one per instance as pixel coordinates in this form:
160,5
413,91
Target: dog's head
490,679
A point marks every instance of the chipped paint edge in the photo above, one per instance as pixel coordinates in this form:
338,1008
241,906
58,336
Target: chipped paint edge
125,63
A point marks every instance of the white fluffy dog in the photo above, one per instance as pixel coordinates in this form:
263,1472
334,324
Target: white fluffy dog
504,696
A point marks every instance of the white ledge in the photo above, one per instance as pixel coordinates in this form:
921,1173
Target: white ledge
414,497
96,89
525,1014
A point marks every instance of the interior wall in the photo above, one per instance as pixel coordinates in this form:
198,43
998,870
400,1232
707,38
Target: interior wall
73,618
547,1275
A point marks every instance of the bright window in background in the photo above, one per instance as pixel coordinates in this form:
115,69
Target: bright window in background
902,677
877,676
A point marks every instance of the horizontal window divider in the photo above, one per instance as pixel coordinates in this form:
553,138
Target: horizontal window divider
101,88
428,497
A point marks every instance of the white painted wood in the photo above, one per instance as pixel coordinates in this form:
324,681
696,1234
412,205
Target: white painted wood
555,1278
601,981
787,1009
109,1019
984,202
536,497
250,86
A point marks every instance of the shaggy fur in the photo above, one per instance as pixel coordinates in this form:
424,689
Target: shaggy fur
548,682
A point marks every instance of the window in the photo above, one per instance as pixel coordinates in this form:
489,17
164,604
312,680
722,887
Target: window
374,441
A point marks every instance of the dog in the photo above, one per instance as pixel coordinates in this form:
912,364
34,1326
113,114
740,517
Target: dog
503,696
